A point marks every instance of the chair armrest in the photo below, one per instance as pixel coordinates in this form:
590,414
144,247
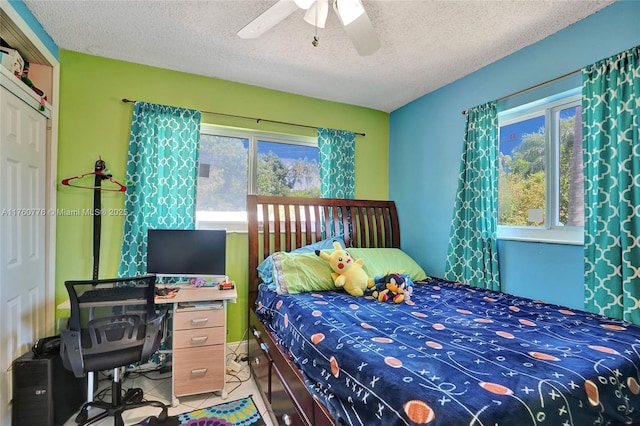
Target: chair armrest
153,336
70,352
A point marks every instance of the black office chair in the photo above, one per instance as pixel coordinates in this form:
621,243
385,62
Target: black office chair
103,335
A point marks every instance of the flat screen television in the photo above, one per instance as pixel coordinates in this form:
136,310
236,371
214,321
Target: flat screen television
186,253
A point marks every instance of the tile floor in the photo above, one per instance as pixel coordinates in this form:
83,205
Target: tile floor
157,387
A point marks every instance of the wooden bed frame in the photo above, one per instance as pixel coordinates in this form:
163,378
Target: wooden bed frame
290,223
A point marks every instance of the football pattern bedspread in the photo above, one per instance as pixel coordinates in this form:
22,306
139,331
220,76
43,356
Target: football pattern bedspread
458,355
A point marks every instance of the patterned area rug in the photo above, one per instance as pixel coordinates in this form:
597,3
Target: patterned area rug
242,412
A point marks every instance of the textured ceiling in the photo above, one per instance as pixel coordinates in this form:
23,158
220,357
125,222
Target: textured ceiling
424,44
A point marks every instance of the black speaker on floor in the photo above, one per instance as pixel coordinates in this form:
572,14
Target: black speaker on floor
44,392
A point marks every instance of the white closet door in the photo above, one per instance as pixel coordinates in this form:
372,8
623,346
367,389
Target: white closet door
22,234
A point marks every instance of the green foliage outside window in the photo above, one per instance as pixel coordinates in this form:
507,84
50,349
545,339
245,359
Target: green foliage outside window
522,177
299,178
224,186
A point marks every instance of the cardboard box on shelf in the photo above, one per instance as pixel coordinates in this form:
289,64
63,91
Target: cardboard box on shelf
11,60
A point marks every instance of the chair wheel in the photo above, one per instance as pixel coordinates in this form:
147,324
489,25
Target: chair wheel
82,416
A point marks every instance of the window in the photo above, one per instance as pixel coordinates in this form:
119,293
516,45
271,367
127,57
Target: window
234,163
541,182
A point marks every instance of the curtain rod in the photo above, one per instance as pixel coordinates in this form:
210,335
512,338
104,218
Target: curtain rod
528,89
258,120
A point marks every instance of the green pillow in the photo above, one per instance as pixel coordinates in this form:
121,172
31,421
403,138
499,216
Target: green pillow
301,272
265,269
381,261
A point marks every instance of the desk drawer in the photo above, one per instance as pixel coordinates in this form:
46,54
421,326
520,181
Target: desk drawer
198,337
198,370
200,318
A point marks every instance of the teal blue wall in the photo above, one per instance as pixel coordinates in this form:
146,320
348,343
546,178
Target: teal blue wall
425,144
26,14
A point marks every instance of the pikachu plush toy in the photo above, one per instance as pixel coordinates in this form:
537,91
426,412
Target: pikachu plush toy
347,272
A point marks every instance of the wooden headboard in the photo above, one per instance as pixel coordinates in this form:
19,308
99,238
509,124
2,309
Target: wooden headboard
291,223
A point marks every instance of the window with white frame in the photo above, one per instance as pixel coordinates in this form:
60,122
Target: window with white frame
541,181
235,162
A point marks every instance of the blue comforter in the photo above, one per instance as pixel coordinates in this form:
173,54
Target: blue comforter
458,355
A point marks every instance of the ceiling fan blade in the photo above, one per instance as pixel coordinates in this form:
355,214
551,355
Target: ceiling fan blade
268,19
363,35
348,10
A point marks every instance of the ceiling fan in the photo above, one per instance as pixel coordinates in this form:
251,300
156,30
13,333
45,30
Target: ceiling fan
351,13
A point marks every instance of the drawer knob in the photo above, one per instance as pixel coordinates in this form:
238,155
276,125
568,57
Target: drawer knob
256,333
286,419
199,320
264,347
199,371
199,339
256,360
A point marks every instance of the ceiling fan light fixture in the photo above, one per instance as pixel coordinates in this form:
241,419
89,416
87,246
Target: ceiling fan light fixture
317,14
348,10
304,4
351,13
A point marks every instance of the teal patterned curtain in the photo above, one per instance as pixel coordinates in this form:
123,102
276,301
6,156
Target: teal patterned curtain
473,255
337,163
163,168
611,127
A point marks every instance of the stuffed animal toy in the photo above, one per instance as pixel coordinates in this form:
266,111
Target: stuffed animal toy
348,273
395,287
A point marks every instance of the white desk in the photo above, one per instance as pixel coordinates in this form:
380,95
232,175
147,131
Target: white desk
199,340
186,294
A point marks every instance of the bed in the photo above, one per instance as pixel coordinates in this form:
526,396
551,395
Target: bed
450,355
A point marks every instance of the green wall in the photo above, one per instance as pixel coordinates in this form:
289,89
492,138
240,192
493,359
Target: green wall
95,123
